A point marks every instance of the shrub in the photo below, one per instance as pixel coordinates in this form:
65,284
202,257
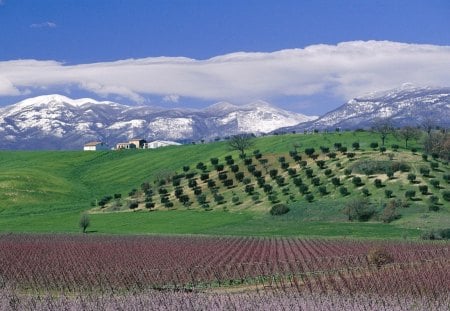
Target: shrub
378,183
366,192
255,197
204,176
162,190
219,199
343,149
267,188
201,166
446,195
355,145
395,147
446,178
257,174
185,168
435,183
382,149
292,172
331,155
229,161
281,159
357,181
273,173
336,181
403,167
176,182
273,198
390,174
324,149
280,181
433,207
390,213
284,165
359,209
303,163
214,161
328,172
219,167
434,165
343,191
309,151
374,145
337,146
201,199
379,257
309,172
279,209
323,190
410,194
425,157
320,163
239,176
192,183
247,180
298,181
309,197
350,155
223,176
234,168
413,150
347,172
168,204
411,177
423,189
249,189
133,204
436,234
236,200
211,183
303,189
149,205
315,181
388,193
261,182
228,183
425,171
433,199
248,161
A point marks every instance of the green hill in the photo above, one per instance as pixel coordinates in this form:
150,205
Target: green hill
47,191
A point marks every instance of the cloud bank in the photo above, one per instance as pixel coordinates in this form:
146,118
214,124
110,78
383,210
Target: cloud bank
343,71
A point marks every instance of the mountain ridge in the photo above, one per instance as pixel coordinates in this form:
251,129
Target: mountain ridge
58,122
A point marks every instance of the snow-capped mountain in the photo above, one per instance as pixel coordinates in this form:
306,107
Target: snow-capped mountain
59,122
407,105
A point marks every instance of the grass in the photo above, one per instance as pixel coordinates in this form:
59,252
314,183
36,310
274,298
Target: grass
47,192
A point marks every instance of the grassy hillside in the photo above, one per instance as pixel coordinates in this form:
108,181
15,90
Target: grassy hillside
47,191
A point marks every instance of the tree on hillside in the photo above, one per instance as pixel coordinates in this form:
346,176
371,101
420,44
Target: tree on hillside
407,133
384,127
84,222
241,142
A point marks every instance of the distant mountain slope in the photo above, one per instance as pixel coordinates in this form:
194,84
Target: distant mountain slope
59,122
407,105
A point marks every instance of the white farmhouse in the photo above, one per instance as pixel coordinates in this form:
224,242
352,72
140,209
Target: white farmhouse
94,146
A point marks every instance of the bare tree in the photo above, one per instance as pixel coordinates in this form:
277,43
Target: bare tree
407,133
384,127
428,124
84,222
241,142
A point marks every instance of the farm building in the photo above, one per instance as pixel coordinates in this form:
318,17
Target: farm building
94,146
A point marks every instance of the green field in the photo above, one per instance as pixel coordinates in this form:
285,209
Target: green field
46,191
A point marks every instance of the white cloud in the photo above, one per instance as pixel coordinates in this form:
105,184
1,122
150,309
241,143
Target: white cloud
344,70
43,25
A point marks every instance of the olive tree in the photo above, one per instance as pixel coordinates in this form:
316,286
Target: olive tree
241,142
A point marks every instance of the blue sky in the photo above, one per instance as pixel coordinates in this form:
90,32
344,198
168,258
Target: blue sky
70,34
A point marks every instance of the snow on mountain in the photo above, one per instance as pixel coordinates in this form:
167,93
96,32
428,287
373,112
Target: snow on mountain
407,105
59,122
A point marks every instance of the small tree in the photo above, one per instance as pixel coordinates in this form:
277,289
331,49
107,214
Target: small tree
359,209
407,133
384,127
84,222
241,142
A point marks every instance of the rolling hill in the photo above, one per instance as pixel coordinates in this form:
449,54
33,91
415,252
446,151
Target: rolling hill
47,191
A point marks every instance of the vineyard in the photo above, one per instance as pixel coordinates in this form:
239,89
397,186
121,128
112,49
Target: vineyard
204,273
